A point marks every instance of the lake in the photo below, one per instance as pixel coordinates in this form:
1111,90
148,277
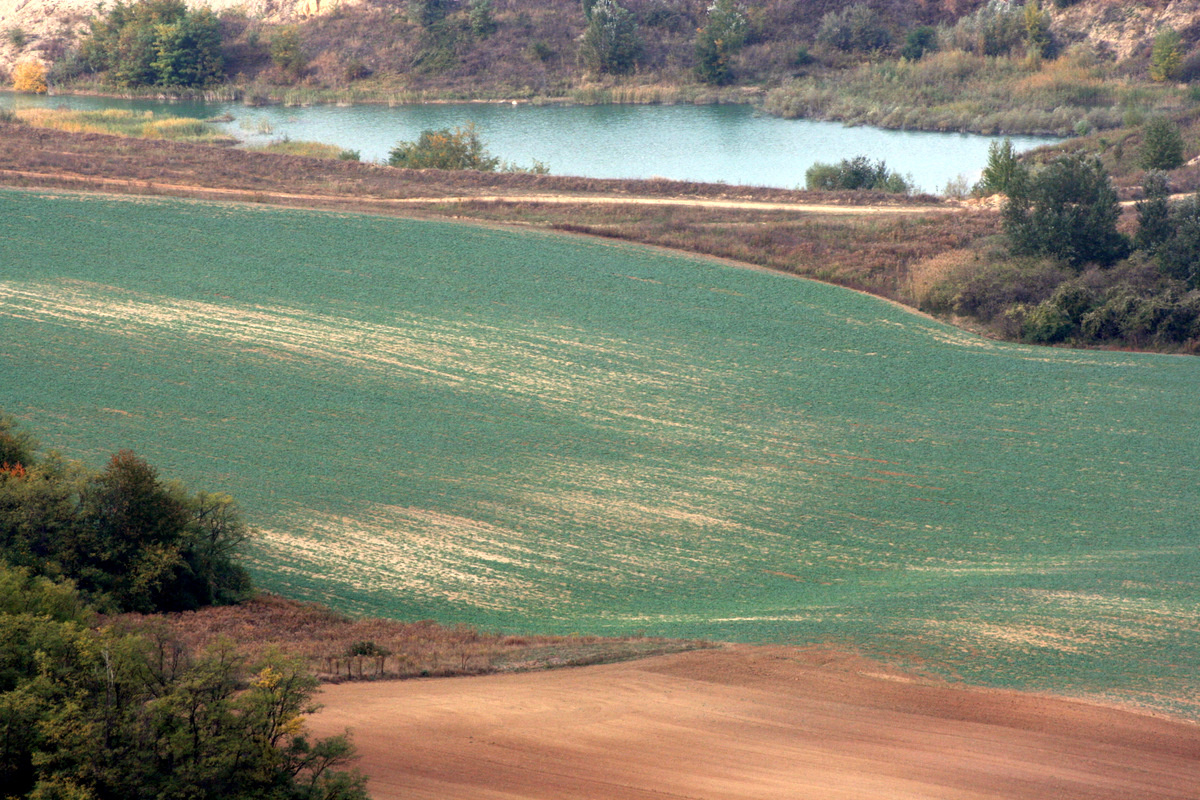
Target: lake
734,144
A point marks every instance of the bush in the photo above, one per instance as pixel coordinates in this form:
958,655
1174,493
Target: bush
856,173
1069,211
460,148
1178,255
1162,145
30,76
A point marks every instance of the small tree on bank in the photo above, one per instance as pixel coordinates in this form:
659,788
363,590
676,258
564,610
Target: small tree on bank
720,38
30,76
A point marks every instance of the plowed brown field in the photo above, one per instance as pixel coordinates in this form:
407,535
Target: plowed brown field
751,722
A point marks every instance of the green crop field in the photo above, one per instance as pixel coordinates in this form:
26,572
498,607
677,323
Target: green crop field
532,432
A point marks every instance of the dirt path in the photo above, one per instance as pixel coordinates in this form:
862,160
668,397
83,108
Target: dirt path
751,722
194,190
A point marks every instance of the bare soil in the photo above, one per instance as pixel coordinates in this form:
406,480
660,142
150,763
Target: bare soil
751,722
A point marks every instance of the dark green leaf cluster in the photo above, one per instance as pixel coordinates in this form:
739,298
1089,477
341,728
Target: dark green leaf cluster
856,173
101,714
129,541
460,148
155,43
1162,145
919,41
1067,211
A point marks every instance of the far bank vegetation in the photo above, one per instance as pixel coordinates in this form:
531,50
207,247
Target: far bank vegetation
991,66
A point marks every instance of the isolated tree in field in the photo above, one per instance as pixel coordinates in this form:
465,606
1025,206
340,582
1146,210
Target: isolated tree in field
1166,56
29,76
460,148
1162,145
1002,170
721,37
1068,211
611,43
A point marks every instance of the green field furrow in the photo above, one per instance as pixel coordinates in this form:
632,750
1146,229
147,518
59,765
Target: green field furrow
535,432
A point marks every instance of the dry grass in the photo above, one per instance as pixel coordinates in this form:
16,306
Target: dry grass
329,640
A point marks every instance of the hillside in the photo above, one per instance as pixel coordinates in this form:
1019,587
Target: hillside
382,50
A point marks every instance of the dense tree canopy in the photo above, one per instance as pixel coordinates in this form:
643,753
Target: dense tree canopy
155,43
130,541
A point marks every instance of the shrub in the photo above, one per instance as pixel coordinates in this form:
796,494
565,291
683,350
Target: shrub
1178,255
1162,145
29,76
856,173
460,148
1069,211
856,28
16,37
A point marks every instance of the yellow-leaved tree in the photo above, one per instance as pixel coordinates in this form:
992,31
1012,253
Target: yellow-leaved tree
29,76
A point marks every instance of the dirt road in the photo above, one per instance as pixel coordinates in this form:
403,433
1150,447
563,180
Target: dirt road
746,722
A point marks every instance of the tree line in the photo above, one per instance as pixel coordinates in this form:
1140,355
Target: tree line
100,708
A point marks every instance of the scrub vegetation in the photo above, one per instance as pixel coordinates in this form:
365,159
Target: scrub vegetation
966,65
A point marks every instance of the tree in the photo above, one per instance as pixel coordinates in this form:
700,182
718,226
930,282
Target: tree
29,76
155,43
611,43
1037,30
1166,56
919,41
723,34
287,52
1162,145
855,28
1069,211
483,24
460,148
1178,255
1153,211
1003,169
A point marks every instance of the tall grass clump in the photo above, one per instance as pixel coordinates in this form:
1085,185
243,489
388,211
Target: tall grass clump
121,122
